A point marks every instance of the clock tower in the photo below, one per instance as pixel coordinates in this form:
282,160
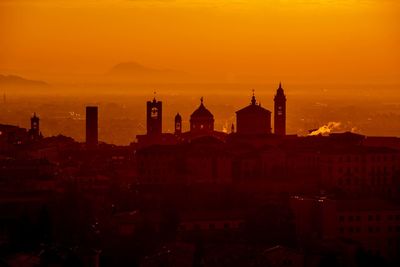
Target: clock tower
154,117
280,111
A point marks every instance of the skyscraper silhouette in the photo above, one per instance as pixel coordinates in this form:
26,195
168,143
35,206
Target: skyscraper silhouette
280,111
92,126
154,117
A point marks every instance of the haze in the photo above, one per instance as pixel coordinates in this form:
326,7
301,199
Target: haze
339,61
306,41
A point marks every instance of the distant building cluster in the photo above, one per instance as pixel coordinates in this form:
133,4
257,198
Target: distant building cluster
201,197
253,120
14,135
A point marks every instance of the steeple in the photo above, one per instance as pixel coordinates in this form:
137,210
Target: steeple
253,99
280,111
154,98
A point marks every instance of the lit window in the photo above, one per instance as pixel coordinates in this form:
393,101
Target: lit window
154,113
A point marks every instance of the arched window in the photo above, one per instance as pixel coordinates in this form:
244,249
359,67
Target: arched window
154,113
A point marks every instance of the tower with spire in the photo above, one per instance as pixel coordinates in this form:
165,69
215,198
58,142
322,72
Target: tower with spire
280,111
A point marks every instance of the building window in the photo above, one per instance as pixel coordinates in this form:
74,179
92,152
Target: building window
341,218
370,218
154,113
351,218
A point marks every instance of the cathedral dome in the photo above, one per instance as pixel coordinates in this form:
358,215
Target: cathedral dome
202,112
201,120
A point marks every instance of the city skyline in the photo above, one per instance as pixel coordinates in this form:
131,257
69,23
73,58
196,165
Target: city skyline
200,133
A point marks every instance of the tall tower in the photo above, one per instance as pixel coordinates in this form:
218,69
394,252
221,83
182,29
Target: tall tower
178,124
92,126
280,111
35,130
154,117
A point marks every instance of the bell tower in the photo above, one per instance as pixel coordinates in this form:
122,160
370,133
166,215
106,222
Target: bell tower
178,124
154,117
280,111
35,130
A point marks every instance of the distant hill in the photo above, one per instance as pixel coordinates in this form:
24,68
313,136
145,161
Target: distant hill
13,80
135,72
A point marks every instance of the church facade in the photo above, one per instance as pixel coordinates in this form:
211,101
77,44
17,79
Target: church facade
253,119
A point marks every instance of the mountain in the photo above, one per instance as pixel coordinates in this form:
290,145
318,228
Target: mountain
135,72
17,81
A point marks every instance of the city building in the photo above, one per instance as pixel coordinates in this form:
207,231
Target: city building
280,112
91,126
34,132
374,224
154,117
178,124
253,119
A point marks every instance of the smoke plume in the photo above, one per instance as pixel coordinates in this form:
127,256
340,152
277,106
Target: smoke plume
326,129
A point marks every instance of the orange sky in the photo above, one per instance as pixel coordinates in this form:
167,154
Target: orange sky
312,41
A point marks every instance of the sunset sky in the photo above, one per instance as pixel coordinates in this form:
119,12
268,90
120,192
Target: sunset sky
308,41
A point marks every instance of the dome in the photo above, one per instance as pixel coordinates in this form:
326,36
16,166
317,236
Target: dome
201,112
